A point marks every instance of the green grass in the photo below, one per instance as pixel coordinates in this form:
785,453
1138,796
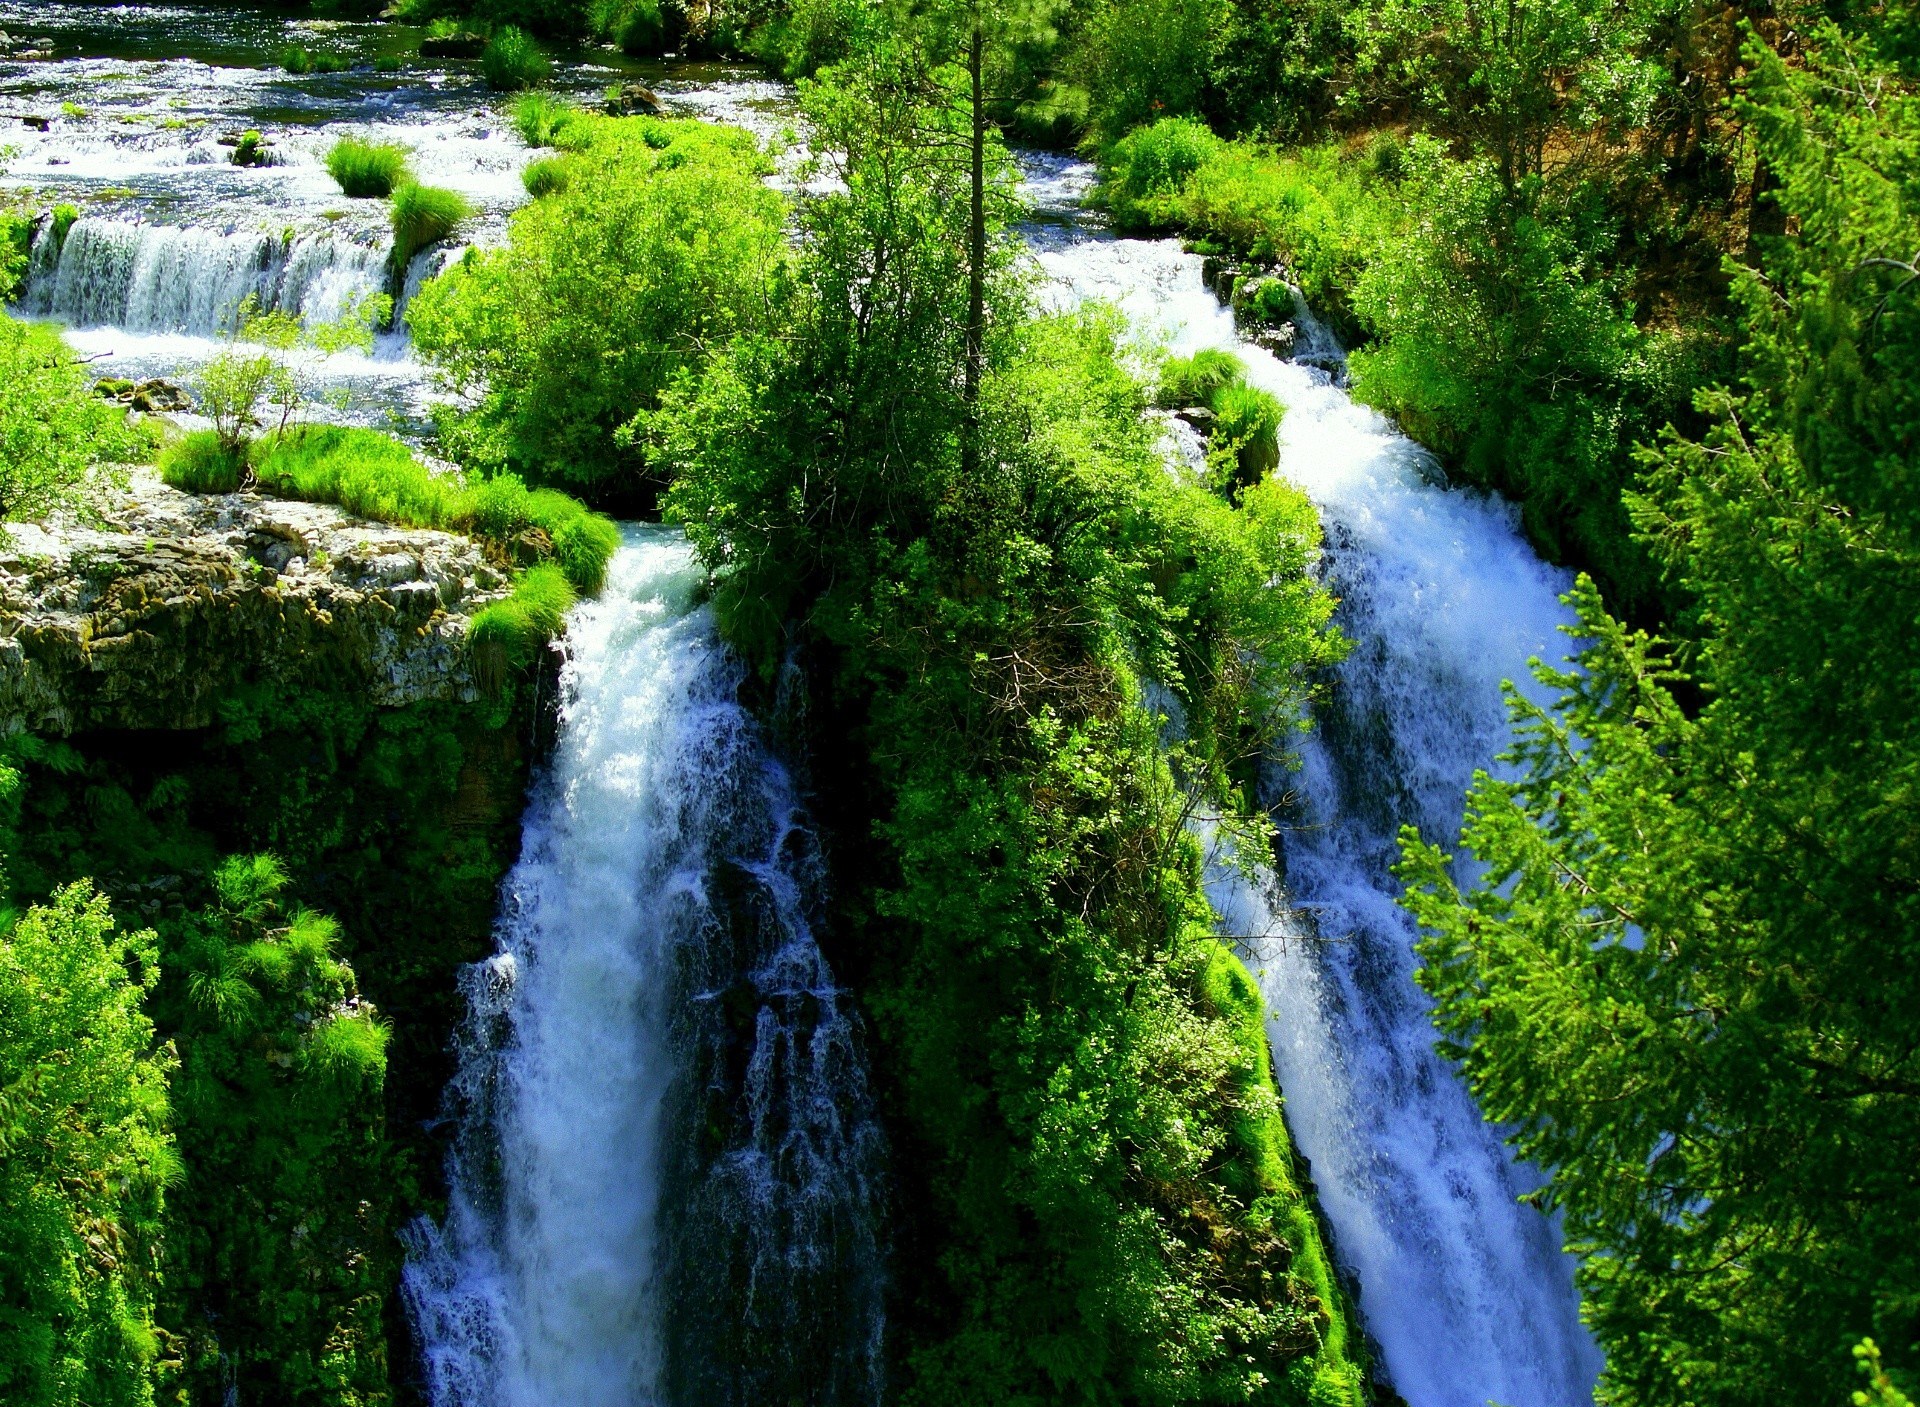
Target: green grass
423,215
198,463
1197,379
546,176
376,476
508,634
367,170
544,121
512,62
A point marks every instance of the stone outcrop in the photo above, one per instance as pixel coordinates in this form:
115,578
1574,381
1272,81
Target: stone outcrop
169,603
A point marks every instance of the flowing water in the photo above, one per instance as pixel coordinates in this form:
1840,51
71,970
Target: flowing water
667,1181
1464,1290
141,107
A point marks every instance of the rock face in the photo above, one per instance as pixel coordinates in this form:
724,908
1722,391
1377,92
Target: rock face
172,602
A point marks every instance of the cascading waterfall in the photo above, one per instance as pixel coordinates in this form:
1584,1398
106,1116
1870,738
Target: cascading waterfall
145,278
666,1183
1464,1290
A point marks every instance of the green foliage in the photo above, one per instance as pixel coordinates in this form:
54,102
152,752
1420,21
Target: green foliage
84,1156
546,176
1091,1138
250,150
423,216
545,121
298,59
660,246
274,1233
367,169
507,636
639,27
200,462
1197,379
54,432
1686,976
1147,59
1880,1390
512,62
1144,175
377,476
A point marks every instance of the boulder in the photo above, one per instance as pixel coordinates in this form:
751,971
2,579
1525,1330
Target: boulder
631,99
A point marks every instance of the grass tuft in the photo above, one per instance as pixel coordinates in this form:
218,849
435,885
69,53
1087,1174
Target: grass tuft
423,215
546,176
1197,379
199,463
512,62
367,170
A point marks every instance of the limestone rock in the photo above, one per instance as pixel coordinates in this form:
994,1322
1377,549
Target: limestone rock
172,602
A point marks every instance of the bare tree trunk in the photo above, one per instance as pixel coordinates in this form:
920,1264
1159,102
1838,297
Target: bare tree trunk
976,258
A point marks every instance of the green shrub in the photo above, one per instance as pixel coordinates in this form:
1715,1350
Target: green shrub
1195,380
54,429
1247,422
367,169
423,216
512,62
546,176
63,219
201,463
639,27
1144,174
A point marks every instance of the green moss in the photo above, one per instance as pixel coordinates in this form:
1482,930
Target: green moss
507,636
367,169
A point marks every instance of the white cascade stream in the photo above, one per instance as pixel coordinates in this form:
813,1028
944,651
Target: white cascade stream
1464,1290
666,1182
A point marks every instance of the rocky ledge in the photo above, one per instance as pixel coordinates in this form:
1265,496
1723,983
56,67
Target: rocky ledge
169,603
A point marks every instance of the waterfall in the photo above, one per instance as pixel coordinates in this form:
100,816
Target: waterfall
666,1178
1464,1290
144,278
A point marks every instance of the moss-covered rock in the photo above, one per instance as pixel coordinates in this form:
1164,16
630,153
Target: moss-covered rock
171,603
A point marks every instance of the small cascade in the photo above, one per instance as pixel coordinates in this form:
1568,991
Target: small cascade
666,1183
1464,1290
151,278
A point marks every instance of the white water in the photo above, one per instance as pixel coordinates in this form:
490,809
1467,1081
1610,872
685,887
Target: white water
1464,1290
657,979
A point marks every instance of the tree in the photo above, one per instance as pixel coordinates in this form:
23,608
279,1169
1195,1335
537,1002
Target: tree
54,432
1688,974
84,1157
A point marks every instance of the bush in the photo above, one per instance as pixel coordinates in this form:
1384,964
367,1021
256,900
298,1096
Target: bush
507,635
1143,59
1247,423
512,62
423,216
650,256
639,27
299,59
367,169
251,150
201,463
1144,174
546,176
54,430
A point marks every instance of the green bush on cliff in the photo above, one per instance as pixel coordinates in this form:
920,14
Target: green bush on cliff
275,1233
507,635
658,249
423,216
989,593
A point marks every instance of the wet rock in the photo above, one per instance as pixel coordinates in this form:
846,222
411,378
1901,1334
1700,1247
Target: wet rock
171,602
629,99
453,46
35,121
1198,416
